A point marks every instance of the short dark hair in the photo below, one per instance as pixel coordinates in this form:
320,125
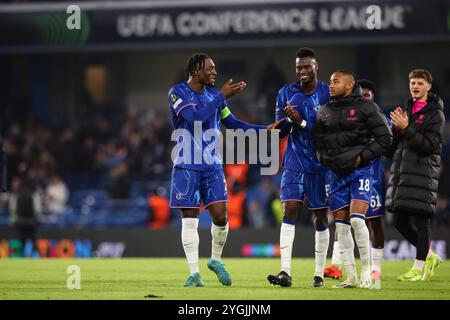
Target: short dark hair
196,61
306,53
346,72
421,73
366,84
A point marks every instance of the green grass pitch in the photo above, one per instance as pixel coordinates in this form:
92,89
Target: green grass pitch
164,277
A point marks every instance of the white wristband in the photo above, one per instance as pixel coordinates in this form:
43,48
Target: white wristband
302,124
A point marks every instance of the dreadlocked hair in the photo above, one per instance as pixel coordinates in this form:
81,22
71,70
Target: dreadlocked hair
195,62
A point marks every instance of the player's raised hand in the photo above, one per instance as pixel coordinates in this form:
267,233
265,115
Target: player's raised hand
230,89
400,118
293,114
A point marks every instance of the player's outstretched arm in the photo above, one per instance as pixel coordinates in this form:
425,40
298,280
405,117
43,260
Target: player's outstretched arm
192,113
231,122
281,123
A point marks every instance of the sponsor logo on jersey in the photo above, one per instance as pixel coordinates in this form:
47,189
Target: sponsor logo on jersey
420,120
173,97
352,114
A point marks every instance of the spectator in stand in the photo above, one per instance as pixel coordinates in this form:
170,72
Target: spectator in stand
159,209
25,208
56,196
12,157
103,132
135,152
67,151
236,202
87,158
237,172
255,215
270,81
119,182
109,156
46,166
276,208
262,193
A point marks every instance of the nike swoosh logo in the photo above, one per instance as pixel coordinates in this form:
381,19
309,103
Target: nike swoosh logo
283,247
188,244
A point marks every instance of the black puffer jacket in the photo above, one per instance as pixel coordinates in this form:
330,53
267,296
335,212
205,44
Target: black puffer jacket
413,184
351,126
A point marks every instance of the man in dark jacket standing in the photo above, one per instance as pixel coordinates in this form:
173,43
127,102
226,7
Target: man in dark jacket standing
351,132
413,185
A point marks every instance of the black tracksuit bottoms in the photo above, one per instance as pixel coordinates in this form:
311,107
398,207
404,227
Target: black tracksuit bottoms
416,229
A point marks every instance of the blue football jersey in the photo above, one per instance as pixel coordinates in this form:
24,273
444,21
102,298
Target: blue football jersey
300,152
378,182
196,150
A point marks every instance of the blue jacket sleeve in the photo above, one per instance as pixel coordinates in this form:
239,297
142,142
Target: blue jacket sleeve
192,113
231,122
285,127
